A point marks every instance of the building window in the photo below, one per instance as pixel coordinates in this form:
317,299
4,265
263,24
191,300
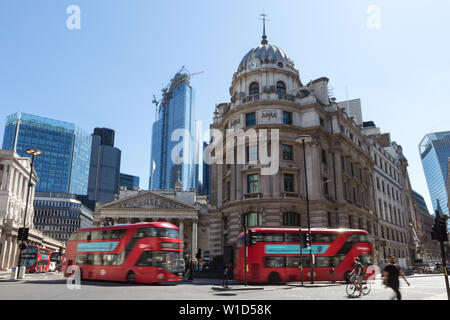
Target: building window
287,117
252,183
252,154
254,88
291,219
287,152
322,122
288,182
250,119
253,219
324,156
281,87
378,184
330,224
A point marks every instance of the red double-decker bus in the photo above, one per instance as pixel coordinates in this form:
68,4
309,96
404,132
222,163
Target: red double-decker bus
35,259
275,257
142,252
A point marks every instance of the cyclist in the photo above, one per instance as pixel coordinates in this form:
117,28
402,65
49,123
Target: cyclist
357,274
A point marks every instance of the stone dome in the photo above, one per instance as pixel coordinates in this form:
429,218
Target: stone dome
266,53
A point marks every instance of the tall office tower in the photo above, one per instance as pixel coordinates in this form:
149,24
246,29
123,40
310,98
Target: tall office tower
435,150
63,165
129,181
175,111
104,171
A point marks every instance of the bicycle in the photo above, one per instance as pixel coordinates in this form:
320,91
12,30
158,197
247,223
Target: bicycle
352,287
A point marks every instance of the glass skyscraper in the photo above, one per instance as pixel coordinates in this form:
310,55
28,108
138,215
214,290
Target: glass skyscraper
129,181
176,111
104,170
63,165
434,151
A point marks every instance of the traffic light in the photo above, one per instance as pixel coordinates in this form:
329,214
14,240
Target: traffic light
439,229
251,238
23,234
303,239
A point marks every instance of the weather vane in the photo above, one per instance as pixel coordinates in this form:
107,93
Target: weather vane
264,19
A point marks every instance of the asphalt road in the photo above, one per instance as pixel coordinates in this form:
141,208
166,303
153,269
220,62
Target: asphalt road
54,287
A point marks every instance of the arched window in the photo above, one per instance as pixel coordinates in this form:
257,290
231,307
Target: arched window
254,88
281,87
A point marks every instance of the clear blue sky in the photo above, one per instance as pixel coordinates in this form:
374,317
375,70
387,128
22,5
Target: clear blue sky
106,73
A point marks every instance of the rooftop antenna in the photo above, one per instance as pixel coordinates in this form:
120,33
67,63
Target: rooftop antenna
263,18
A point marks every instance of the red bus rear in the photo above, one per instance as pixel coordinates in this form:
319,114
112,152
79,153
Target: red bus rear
142,252
35,259
276,255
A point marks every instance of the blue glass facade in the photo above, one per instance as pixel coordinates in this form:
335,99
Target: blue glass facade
175,112
63,165
129,181
435,151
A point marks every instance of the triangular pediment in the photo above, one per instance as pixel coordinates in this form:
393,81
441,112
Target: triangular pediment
147,200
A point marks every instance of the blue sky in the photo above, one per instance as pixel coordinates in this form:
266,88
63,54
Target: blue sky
105,74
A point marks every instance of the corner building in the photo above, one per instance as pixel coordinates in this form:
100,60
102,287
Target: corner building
267,93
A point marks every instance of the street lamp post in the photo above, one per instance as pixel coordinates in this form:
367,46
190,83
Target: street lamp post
33,152
303,139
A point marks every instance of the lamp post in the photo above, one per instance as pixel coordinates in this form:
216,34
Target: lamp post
33,152
302,139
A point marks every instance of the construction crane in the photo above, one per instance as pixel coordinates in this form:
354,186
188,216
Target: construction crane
166,88
156,103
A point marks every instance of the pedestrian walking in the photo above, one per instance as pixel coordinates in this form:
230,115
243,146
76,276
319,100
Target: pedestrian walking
391,275
225,276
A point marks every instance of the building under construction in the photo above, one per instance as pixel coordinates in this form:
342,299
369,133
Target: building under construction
175,110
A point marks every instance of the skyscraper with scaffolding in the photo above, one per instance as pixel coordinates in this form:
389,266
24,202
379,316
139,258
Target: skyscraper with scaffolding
174,111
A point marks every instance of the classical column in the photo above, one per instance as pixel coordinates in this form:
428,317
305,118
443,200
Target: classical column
5,243
5,175
10,178
194,237
182,236
9,252
15,248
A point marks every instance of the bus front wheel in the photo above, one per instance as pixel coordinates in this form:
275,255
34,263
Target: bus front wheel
131,277
274,277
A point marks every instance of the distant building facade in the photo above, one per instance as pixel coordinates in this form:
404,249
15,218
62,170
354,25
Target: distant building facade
434,151
104,170
391,192
175,111
427,249
129,181
57,215
63,165
14,179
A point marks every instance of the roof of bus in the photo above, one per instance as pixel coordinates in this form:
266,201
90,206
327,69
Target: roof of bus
158,224
314,230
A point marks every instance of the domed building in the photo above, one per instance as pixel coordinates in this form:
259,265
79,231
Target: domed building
267,93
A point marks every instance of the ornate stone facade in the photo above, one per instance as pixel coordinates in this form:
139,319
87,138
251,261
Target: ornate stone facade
14,175
267,93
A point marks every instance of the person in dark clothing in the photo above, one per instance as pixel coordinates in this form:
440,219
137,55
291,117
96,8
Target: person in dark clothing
225,276
357,274
391,275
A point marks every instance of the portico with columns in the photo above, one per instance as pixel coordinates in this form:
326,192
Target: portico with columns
150,206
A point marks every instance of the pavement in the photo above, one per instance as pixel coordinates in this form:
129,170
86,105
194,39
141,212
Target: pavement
52,286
